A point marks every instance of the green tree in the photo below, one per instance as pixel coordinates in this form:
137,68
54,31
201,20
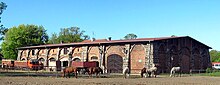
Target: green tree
68,35
215,55
3,30
130,36
21,36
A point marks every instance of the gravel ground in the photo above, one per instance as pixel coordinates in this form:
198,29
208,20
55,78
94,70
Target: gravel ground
189,80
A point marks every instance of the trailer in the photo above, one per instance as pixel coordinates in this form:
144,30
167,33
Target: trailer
85,64
14,64
82,66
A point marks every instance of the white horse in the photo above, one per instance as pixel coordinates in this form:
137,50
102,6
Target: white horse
174,70
126,72
152,71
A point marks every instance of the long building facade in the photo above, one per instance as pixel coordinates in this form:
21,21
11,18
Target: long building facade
115,55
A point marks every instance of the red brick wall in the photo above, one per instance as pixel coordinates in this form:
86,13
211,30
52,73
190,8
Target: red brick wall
137,59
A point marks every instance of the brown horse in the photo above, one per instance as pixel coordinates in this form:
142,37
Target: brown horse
143,71
94,70
69,70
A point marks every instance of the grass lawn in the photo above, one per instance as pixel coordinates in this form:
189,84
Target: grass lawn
216,74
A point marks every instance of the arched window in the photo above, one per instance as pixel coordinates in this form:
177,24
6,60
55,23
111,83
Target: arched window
22,59
52,59
94,58
76,59
33,52
41,59
65,50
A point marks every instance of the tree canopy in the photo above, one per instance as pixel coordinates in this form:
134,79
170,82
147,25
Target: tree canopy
68,35
215,55
3,30
21,36
130,36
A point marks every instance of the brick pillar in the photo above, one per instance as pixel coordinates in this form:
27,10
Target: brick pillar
102,52
127,60
70,56
37,54
85,53
127,55
46,62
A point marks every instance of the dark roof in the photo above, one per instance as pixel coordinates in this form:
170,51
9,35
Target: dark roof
105,41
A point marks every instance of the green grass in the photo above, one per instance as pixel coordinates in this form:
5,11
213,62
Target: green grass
216,74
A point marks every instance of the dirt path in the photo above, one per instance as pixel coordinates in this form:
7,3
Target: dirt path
195,80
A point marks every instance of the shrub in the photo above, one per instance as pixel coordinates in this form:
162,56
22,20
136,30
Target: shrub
208,70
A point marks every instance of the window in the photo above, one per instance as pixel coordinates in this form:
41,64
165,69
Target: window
65,51
76,60
33,52
22,59
94,58
41,59
52,59
65,63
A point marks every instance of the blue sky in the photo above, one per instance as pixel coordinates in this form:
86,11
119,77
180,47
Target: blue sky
199,19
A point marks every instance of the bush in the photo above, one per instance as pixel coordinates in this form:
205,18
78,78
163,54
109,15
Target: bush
209,70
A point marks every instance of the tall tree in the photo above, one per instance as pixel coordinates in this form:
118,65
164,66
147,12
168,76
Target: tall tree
3,30
215,55
23,35
67,35
130,36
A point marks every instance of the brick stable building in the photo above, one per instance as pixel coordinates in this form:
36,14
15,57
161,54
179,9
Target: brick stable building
116,54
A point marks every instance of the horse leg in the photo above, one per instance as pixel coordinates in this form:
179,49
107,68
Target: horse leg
145,75
99,75
142,74
76,74
125,75
155,75
69,74
149,74
171,73
63,74
89,74
66,74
